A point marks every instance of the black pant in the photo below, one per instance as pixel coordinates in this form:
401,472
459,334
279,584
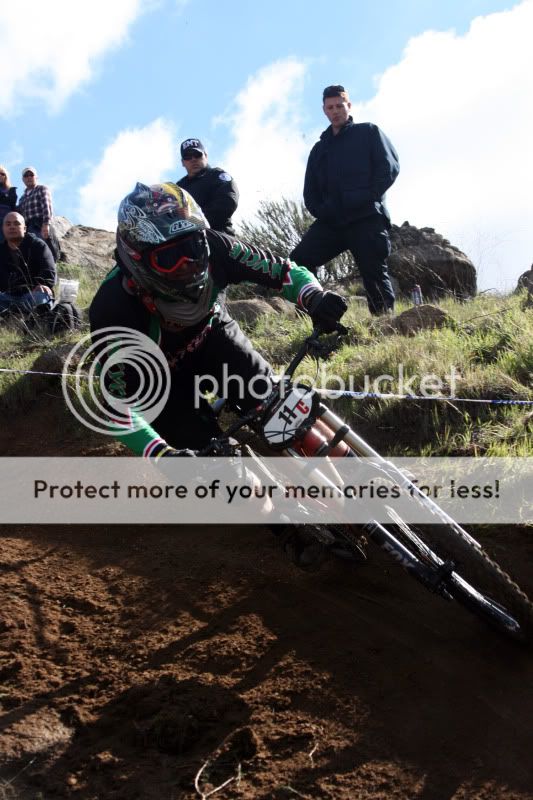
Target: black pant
186,420
368,241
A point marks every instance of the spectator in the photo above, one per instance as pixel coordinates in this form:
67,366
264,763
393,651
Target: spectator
36,208
348,172
27,269
8,197
213,189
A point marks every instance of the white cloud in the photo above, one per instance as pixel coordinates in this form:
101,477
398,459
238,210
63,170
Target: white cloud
269,152
50,48
459,111
141,154
12,154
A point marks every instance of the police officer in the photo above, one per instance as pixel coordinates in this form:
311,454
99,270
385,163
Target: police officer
213,189
348,172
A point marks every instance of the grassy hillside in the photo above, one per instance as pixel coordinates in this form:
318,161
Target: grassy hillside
489,346
488,343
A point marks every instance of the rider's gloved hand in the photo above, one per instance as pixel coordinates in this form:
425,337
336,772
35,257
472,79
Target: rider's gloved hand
326,309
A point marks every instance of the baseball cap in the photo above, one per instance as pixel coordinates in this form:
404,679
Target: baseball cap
192,144
335,90
29,169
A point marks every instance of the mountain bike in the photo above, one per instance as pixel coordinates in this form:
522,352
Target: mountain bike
445,559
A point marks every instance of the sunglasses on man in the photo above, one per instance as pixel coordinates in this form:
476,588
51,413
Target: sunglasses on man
190,156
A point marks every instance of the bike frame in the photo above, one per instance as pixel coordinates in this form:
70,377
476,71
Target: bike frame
437,575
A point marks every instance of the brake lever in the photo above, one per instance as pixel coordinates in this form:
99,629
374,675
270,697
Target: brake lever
322,349
312,346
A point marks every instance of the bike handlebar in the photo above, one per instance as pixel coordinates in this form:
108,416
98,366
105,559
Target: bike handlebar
311,344
222,445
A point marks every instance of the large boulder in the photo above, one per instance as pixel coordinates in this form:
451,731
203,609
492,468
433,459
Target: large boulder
282,306
87,247
413,320
248,312
419,255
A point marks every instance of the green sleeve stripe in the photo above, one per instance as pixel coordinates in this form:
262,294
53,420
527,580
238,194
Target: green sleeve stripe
140,440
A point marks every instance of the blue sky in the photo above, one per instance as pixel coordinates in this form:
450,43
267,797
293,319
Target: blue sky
99,95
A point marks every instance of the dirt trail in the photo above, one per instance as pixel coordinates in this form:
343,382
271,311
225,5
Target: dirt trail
130,657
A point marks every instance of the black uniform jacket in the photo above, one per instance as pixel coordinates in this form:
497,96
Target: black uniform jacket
348,174
217,195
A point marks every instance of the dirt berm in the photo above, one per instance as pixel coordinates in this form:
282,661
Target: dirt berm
137,661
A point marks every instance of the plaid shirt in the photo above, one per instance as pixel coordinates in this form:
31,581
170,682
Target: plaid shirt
36,206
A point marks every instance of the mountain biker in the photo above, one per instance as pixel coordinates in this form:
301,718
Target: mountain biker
171,271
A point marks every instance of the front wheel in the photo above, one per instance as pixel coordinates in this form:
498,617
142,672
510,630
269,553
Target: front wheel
456,566
482,587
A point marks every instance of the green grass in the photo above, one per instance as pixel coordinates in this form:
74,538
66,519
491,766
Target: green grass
488,342
489,346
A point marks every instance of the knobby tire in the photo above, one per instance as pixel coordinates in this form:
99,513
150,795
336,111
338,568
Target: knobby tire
478,569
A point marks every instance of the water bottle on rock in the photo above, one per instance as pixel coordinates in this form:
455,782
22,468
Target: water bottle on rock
416,295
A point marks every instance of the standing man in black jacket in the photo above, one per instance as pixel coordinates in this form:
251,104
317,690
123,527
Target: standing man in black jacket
213,189
348,172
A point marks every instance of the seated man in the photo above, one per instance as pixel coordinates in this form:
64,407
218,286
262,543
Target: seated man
27,268
171,270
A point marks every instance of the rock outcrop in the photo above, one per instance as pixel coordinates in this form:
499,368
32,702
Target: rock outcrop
87,247
419,255
61,226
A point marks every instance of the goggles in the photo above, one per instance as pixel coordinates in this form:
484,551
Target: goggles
180,261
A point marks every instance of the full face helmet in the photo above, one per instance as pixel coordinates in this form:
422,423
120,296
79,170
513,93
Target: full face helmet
161,241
